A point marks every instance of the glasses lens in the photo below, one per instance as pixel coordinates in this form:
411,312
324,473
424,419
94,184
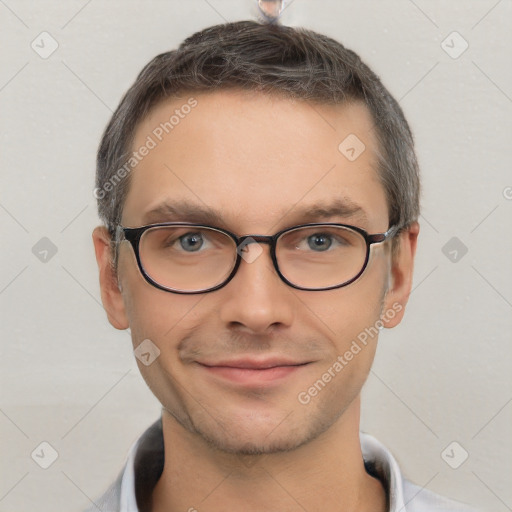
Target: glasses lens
318,257
187,258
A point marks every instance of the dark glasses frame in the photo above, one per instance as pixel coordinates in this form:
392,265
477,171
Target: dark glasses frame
133,236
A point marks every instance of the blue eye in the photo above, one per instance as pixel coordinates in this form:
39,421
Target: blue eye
319,242
191,242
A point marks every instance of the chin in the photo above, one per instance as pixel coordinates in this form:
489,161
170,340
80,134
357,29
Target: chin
261,434
251,443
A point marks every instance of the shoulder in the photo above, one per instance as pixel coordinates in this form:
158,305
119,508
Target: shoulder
142,469
404,496
419,499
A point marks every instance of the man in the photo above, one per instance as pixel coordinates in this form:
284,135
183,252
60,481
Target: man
259,190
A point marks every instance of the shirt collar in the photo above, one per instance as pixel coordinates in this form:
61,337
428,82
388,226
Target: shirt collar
146,461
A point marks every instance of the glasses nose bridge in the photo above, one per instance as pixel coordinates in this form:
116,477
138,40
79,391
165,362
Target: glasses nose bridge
245,240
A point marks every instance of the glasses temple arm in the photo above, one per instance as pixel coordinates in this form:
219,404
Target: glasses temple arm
392,231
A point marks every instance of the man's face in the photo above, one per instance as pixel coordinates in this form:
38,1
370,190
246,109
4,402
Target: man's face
261,163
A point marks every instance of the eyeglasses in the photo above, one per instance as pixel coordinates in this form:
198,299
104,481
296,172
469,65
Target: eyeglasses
192,258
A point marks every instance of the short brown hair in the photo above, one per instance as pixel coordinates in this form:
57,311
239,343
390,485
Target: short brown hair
274,59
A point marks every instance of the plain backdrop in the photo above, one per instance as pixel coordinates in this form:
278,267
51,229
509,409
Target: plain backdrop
69,379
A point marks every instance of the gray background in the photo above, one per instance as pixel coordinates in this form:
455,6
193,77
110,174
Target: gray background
70,379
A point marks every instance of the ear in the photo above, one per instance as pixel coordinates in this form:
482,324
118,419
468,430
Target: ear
110,293
402,266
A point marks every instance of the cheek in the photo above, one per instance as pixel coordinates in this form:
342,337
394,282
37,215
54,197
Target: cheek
158,321
152,313
349,311
161,316
350,320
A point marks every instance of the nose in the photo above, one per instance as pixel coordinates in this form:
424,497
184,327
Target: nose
256,300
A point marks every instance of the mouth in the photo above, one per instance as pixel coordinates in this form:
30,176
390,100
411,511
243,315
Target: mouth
252,371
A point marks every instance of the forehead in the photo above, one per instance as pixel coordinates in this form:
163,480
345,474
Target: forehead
255,159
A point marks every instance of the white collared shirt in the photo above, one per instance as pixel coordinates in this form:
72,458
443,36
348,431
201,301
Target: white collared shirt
403,496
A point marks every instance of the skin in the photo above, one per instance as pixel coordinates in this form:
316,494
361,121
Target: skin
259,161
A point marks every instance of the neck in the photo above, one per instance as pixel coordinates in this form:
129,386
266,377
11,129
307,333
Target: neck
325,474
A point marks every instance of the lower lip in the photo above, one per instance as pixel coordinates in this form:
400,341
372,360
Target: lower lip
251,375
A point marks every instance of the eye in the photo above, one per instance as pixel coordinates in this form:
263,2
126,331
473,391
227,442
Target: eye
191,242
320,241
329,241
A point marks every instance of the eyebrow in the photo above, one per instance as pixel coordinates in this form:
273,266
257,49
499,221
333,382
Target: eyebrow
182,211
176,211
340,208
